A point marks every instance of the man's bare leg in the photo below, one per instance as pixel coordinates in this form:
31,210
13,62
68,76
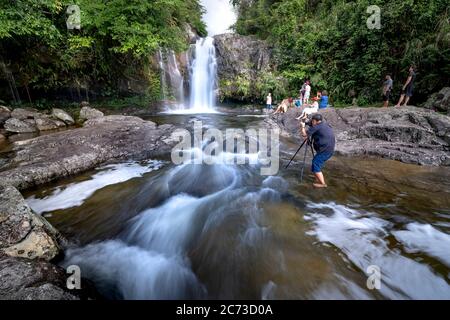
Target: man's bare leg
401,100
406,101
321,179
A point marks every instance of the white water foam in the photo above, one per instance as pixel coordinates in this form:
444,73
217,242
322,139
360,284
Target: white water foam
75,194
150,259
361,237
425,238
134,273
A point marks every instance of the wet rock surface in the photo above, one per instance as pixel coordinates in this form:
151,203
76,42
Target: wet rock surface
24,279
49,157
410,135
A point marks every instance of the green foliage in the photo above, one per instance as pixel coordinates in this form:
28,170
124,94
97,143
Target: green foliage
43,55
269,82
329,42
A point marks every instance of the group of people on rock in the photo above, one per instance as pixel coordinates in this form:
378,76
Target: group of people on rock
320,101
407,89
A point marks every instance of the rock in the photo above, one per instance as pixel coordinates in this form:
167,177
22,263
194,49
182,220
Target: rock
410,135
87,113
5,114
49,157
15,125
191,34
22,114
241,63
45,124
440,101
23,233
63,116
24,279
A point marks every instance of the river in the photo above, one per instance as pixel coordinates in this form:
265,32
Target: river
153,230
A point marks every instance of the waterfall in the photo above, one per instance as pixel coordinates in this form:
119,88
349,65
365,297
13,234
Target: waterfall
162,69
203,76
172,81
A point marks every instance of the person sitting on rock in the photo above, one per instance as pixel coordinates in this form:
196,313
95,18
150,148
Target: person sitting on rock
314,108
284,106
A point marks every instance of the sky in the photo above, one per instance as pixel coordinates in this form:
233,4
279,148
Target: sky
219,16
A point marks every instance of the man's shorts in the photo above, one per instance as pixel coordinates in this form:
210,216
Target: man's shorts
409,91
319,160
387,96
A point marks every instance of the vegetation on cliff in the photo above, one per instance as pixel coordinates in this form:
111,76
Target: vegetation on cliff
40,55
329,41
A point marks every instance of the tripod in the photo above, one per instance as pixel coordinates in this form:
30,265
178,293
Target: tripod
308,143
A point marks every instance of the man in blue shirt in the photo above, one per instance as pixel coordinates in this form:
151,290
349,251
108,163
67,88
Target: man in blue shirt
324,143
323,100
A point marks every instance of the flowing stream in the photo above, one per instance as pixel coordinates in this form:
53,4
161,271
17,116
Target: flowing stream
153,230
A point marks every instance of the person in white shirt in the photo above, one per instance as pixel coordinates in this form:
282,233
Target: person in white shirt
269,101
314,108
307,93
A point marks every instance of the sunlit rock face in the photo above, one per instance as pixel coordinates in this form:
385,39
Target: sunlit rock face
242,64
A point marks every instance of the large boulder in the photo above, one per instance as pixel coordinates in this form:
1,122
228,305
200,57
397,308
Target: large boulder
411,135
241,62
88,113
22,114
5,114
49,157
440,101
63,116
24,279
15,125
22,232
44,123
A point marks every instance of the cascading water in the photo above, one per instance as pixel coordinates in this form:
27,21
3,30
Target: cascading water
172,81
203,76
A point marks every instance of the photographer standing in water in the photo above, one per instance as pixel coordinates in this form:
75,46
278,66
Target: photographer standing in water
322,136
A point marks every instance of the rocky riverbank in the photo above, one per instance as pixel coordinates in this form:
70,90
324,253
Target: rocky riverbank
28,243
410,135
